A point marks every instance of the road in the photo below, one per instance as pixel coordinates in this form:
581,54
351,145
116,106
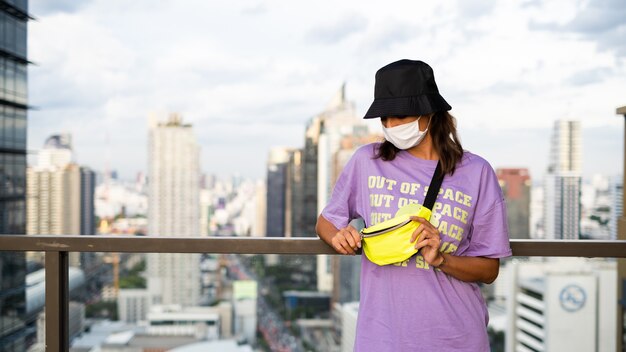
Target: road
271,325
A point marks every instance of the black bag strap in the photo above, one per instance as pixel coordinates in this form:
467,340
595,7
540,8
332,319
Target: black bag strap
433,189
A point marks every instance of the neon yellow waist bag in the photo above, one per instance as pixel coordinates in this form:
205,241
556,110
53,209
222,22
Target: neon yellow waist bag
388,242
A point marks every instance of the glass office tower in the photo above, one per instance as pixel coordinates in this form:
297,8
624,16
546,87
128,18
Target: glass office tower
14,333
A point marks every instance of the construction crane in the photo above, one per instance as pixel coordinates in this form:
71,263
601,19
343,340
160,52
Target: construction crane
111,258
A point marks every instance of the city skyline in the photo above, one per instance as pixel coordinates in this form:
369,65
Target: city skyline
508,70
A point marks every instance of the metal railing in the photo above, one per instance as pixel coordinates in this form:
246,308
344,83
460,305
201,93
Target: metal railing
56,250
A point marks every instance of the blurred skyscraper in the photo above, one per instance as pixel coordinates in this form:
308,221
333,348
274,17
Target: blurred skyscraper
323,140
346,270
87,201
277,192
294,197
561,305
323,136
563,182
337,121
173,210
60,194
14,334
309,175
596,203
300,181
515,184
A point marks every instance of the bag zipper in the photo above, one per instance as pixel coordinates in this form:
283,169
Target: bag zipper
379,232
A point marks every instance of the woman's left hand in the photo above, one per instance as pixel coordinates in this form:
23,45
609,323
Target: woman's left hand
468,269
429,241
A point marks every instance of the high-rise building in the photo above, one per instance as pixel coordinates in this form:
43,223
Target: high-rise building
565,147
324,136
54,201
515,184
284,206
300,181
56,153
309,175
561,305
14,332
174,210
596,203
132,305
563,183
338,120
60,195
277,192
206,210
346,270
87,201
294,216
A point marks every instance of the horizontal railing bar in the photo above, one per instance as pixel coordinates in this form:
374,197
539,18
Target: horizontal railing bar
272,245
569,248
162,244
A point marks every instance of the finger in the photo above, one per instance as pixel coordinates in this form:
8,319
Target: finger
433,243
348,236
421,244
340,243
346,246
416,233
341,249
422,221
338,247
356,236
428,234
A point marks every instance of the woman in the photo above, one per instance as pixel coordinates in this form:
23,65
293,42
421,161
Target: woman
431,302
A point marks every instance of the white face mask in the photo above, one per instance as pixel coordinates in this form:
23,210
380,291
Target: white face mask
405,136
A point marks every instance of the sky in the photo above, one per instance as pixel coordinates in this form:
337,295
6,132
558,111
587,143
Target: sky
249,74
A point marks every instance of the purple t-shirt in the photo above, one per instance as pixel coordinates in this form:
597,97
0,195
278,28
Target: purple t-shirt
411,306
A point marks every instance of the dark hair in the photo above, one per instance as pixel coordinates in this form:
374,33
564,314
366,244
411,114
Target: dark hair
445,141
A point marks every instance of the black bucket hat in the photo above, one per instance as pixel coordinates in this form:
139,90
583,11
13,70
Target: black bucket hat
406,88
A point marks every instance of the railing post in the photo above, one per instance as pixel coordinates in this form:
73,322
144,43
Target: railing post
57,302
621,263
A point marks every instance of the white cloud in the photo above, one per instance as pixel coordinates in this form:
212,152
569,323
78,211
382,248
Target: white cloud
248,75
337,31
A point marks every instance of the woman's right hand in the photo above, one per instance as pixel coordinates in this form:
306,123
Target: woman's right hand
346,241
